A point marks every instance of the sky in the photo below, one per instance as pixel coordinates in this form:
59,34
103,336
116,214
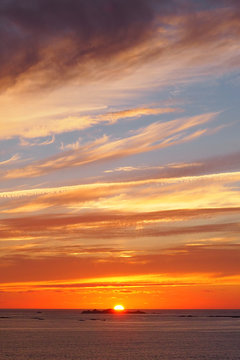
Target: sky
119,154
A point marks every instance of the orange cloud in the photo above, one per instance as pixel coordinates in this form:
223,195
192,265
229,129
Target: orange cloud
215,265
135,113
140,195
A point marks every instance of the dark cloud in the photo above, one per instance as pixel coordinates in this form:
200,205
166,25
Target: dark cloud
55,40
57,36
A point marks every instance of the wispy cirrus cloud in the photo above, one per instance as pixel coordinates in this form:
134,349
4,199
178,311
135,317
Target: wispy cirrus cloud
48,125
216,164
198,185
24,142
136,113
11,160
154,136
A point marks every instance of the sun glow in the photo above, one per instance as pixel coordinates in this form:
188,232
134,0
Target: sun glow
119,308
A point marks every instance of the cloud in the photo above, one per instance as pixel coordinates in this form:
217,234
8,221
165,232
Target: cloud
180,266
143,225
12,160
155,136
54,41
24,142
134,228
217,167
47,123
216,164
136,113
59,49
100,211
58,38
149,194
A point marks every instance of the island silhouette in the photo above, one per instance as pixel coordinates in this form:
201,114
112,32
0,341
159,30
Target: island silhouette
112,311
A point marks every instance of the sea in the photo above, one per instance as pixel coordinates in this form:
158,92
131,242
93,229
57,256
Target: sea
156,334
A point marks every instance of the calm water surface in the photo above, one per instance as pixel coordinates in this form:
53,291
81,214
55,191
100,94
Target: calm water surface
165,335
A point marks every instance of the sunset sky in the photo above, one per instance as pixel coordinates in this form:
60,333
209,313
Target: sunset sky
119,153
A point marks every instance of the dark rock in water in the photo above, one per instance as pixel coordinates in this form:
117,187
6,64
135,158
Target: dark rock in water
136,312
212,316
39,312
5,317
37,318
112,311
92,311
225,316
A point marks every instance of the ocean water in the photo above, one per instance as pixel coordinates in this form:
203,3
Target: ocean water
158,334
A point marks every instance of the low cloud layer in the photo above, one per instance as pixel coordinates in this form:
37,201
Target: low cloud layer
186,265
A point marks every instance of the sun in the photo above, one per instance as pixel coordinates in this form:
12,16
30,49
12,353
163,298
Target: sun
119,307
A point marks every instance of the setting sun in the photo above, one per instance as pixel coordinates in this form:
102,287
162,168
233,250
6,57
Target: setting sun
119,308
